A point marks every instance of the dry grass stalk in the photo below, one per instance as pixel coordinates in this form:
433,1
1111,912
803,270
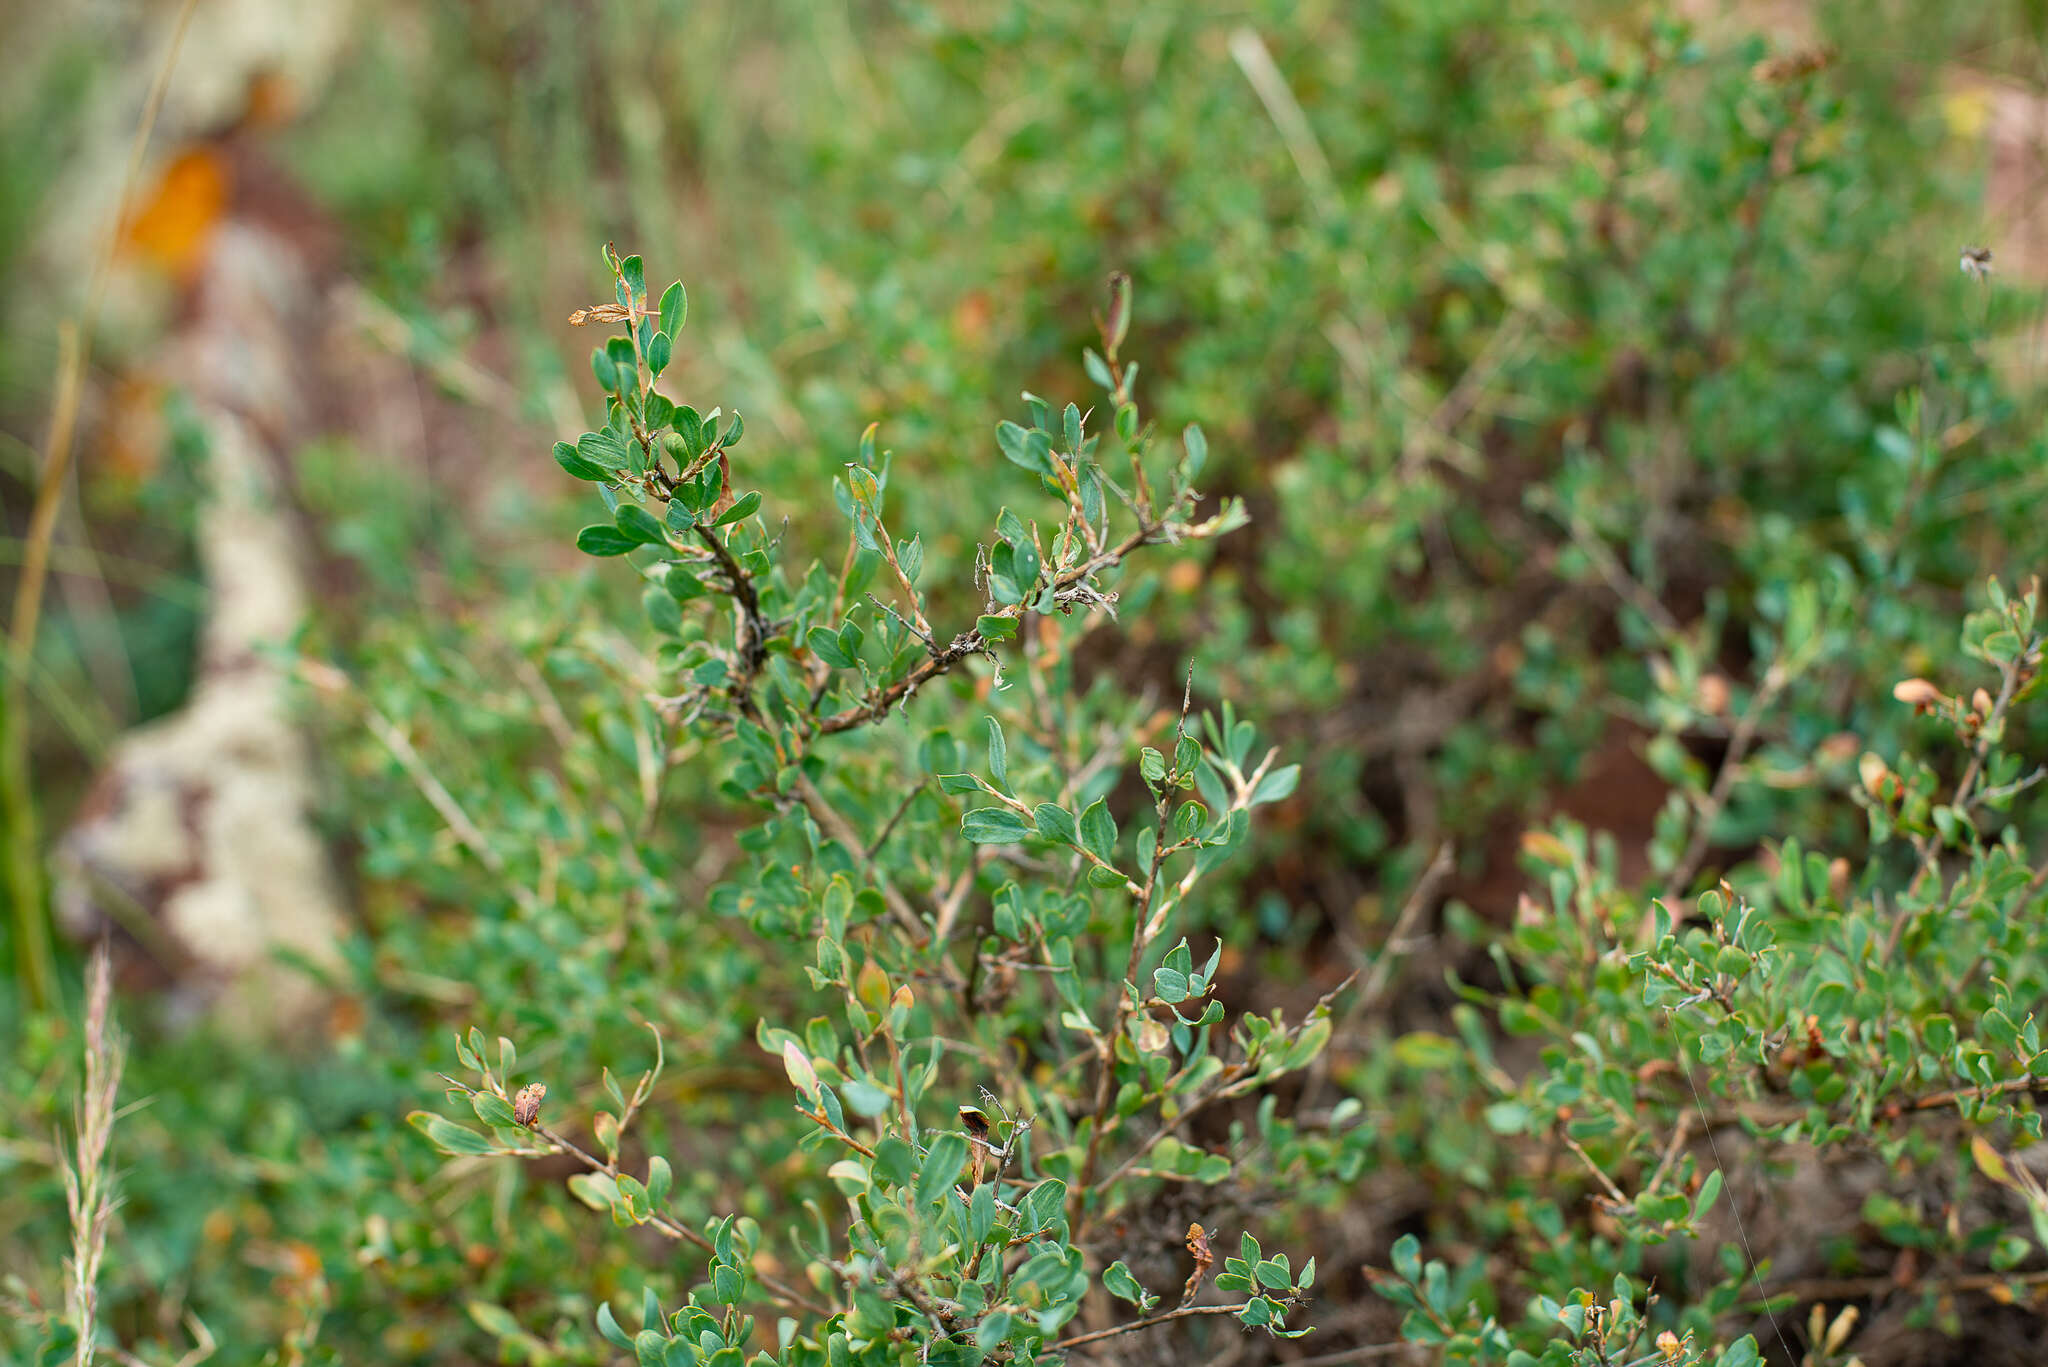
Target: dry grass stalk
88,1183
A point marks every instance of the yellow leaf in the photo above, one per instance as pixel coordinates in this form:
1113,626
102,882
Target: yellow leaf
1990,1162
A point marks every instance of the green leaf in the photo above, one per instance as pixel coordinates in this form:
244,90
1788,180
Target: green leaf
658,353
494,1320
1098,830
601,540
742,507
1119,1281
995,626
449,1137
1027,447
1507,1117
681,584
1276,785
866,1099
1407,1255
998,754
690,427
797,1064
1046,1202
1056,823
639,524
824,644
894,1161
573,461
594,1189
492,1109
1709,1190
991,1333
995,826
942,1167
675,307
1197,447
664,613
608,1325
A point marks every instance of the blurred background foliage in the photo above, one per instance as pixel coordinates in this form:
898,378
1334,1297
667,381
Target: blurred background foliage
1578,360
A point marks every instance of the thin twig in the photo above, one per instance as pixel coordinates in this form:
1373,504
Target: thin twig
1774,681
676,1229
1614,1193
956,896
544,700
1363,1353
1396,943
840,829
1142,933
1185,1312
1253,58
2012,675
1679,1134
1625,585
465,831
971,642
1859,1288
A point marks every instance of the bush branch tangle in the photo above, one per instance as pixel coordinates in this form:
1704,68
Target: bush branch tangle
1894,1014
982,1206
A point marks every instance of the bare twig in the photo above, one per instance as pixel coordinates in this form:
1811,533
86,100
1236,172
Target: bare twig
1366,1352
1396,944
1858,1288
2011,676
544,700
1774,681
1185,1312
465,831
1143,919
956,896
840,829
1679,1134
1249,51
1625,585
1614,1193
676,1229
971,642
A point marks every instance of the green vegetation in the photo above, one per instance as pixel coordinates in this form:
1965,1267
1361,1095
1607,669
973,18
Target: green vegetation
1239,687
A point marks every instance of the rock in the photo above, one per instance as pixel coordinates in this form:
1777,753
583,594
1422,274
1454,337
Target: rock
195,844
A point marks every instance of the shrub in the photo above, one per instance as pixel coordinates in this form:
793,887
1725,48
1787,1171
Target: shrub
1876,1016
1595,387
988,1114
